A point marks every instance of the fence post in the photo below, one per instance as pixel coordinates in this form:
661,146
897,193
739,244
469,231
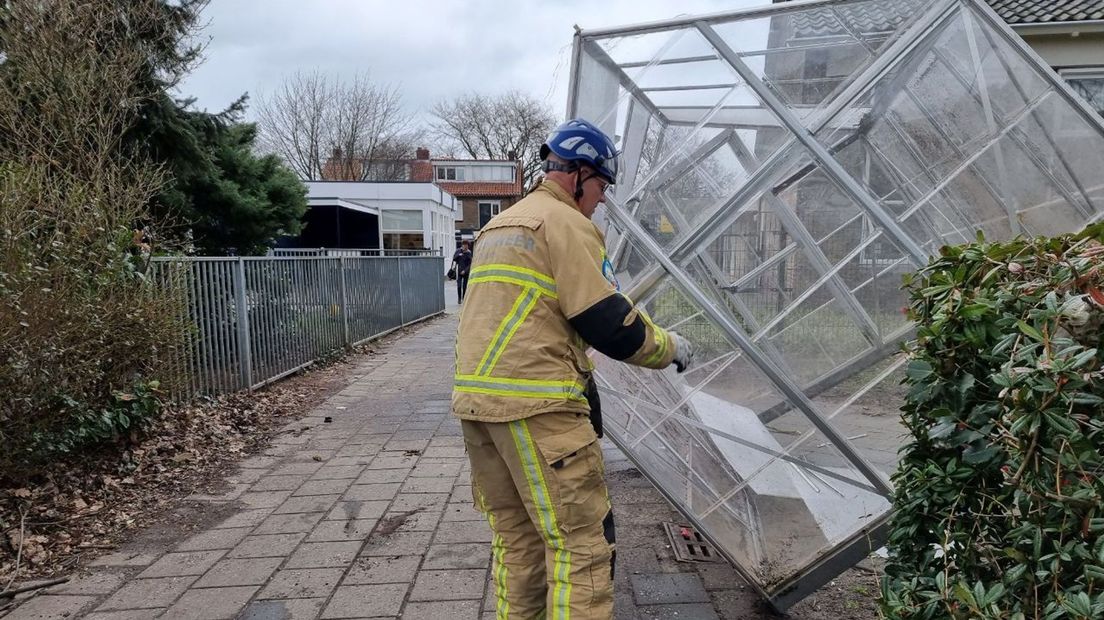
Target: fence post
398,273
245,358
344,304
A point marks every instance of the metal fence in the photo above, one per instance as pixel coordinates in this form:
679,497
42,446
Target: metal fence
251,321
300,252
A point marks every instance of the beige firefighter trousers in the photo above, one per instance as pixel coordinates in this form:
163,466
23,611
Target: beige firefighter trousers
540,483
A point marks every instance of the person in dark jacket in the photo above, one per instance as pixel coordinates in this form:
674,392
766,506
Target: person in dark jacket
461,261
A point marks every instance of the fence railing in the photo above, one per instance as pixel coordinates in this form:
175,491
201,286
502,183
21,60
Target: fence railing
299,252
250,321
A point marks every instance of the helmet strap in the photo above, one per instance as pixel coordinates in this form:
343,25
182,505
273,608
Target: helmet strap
568,167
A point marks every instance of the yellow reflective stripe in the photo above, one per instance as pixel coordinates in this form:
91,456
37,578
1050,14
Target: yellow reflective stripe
498,552
512,274
662,340
546,514
521,271
523,305
524,388
502,326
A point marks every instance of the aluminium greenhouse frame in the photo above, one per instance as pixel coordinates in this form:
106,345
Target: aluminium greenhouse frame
891,58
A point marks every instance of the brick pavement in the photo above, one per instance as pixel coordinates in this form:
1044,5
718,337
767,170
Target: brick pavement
370,515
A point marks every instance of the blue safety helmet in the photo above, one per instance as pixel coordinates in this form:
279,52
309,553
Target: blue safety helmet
579,141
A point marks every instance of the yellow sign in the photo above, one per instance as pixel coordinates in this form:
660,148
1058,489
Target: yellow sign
665,225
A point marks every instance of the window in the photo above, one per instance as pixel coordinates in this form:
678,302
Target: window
487,210
450,173
1089,83
402,220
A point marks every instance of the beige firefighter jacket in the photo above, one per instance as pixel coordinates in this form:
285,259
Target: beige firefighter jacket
541,290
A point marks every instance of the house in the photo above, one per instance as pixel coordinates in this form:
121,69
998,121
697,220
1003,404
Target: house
483,187
1068,34
392,216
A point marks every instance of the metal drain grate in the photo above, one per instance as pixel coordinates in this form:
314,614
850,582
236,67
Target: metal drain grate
689,544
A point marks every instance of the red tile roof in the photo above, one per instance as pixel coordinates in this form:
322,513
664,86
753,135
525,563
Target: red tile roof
480,189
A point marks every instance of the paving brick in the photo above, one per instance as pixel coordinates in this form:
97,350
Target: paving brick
324,487
350,461
186,563
134,614
98,582
264,499
419,521
449,585
691,611
147,593
366,601
374,476
462,512
302,583
126,558
214,539
439,441
388,569
427,485
278,483
357,509
288,524
666,589
400,445
338,472
398,543
451,610
463,532
462,492
360,450
444,451
48,607
239,572
212,603
423,501
392,460
323,555
258,462
382,491
246,518
267,545
449,469
284,609
296,469
307,503
467,555
352,529
246,476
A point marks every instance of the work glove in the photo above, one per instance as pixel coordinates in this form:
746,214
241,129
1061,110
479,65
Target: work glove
684,351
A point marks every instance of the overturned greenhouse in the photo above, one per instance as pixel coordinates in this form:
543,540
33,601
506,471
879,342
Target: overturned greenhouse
783,168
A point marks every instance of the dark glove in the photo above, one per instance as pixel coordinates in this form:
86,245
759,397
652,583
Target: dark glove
595,405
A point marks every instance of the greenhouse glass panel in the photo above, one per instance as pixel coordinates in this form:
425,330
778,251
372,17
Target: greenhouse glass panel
782,169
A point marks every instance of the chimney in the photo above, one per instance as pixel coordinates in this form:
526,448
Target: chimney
512,155
422,153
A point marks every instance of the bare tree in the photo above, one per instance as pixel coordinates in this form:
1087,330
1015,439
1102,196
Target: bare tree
509,126
328,128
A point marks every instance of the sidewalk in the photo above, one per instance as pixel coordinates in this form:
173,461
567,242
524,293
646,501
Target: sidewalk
363,509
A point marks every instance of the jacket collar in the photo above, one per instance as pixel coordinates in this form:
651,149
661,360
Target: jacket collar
558,193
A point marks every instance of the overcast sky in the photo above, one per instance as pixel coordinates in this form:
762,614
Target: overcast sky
430,50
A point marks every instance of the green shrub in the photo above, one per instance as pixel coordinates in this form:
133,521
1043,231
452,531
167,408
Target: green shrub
998,495
80,323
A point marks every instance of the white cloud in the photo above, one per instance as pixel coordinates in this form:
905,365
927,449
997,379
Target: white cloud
430,50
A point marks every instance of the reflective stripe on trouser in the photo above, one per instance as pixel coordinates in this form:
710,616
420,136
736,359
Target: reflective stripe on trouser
540,481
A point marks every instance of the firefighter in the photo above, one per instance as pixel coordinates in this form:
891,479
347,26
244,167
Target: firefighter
541,291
